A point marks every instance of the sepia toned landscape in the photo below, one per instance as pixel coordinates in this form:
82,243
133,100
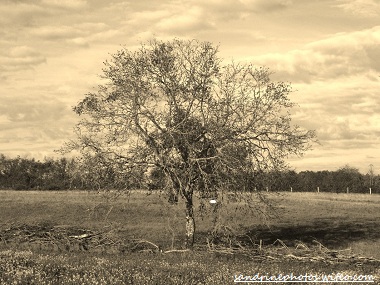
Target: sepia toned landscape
189,142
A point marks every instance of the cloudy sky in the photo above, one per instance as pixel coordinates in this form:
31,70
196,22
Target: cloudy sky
52,53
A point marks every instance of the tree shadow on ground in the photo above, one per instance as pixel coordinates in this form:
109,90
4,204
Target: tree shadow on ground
332,234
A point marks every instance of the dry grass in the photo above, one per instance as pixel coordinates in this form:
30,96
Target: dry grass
350,217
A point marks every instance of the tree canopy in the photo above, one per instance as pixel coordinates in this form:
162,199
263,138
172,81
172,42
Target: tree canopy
176,106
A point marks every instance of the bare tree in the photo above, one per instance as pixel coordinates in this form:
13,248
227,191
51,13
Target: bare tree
174,106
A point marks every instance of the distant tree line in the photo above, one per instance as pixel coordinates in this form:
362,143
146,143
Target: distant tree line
28,174
91,173
345,179
65,173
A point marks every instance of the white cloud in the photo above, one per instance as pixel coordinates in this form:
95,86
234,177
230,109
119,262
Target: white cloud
91,26
19,14
22,51
345,113
76,35
20,58
362,8
31,122
56,32
340,55
189,19
82,42
327,158
147,17
265,5
70,4
232,9
105,35
30,110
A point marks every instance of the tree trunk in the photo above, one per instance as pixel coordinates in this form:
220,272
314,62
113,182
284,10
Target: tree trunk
190,222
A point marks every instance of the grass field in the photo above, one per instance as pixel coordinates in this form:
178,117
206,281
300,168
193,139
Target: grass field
337,221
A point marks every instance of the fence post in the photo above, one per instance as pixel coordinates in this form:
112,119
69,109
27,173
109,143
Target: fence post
347,190
291,189
370,190
318,189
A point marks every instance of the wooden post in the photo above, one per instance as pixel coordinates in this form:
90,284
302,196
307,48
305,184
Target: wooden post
318,189
370,190
291,189
348,190
267,189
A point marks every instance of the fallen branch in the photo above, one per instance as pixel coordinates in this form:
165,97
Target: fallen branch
176,250
280,242
140,242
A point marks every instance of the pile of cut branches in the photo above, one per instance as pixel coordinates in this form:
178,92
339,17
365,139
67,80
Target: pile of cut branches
315,252
279,251
58,238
